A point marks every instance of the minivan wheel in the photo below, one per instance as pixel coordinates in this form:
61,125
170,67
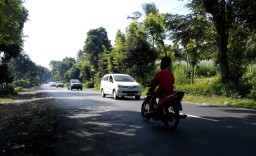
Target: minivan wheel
102,93
114,94
137,97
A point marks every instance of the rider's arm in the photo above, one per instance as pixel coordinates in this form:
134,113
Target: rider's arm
155,81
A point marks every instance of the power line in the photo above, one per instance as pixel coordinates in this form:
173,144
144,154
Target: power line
181,5
162,3
177,9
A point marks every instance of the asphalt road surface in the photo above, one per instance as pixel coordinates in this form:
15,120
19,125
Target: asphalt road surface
93,125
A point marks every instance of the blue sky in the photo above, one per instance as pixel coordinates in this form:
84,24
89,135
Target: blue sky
57,28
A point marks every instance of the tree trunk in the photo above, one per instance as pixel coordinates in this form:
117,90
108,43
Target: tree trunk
217,9
193,73
222,44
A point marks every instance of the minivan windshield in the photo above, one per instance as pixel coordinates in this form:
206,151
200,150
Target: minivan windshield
123,78
75,81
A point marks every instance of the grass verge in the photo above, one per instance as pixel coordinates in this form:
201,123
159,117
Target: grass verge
221,101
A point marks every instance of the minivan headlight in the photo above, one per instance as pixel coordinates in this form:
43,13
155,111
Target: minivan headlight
120,86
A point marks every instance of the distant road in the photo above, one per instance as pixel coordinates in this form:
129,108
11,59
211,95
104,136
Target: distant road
93,125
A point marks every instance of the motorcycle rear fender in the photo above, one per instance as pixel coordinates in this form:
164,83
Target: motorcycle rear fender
172,99
164,100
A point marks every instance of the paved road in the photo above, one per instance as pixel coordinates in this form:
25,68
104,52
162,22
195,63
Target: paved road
92,125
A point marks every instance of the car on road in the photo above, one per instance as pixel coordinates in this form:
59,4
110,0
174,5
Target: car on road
119,85
52,84
59,84
75,84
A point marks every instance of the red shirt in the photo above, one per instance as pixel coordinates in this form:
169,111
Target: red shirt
165,80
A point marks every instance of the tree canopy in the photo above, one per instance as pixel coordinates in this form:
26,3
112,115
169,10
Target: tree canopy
13,15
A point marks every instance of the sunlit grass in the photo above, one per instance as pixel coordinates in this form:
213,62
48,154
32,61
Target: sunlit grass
221,101
4,99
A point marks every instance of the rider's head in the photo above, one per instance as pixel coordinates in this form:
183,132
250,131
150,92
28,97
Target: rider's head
165,62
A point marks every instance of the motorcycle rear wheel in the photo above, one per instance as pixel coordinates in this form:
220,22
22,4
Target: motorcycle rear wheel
171,117
145,109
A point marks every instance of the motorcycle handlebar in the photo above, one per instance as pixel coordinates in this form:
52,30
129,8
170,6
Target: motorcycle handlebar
147,84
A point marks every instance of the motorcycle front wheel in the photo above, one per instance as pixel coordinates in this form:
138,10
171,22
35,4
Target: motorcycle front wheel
171,117
144,110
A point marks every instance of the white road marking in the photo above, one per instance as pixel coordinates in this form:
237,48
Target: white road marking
202,118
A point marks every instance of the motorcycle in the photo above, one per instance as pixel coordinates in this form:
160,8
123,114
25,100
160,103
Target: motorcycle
168,104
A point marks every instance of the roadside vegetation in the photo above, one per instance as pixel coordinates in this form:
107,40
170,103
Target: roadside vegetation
212,49
26,127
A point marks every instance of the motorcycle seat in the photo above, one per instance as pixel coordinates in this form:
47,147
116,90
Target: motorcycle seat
166,94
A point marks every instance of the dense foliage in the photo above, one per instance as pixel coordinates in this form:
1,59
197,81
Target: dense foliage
16,68
216,41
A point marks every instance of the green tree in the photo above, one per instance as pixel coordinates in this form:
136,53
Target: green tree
86,73
73,73
13,15
24,69
118,53
59,68
226,15
194,33
105,63
139,57
150,8
155,25
250,51
5,76
96,41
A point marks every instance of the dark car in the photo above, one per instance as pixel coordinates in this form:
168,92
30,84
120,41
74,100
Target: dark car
75,84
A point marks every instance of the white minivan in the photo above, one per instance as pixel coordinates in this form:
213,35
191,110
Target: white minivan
119,85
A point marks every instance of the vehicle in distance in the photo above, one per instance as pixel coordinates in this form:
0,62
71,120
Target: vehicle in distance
52,84
59,84
119,85
75,84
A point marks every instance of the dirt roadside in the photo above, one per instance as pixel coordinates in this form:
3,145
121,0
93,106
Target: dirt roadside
27,124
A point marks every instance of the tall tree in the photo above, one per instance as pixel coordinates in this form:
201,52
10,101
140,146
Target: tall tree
250,52
96,41
72,73
194,33
155,25
140,57
5,76
86,73
24,69
149,8
59,68
224,14
13,15
118,53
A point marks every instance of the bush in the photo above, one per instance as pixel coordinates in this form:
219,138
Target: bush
196,89
206,69
216,88
252,94
8,91
89,85
179,71
250,80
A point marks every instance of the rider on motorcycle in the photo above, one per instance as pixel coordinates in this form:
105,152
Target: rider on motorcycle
164,79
